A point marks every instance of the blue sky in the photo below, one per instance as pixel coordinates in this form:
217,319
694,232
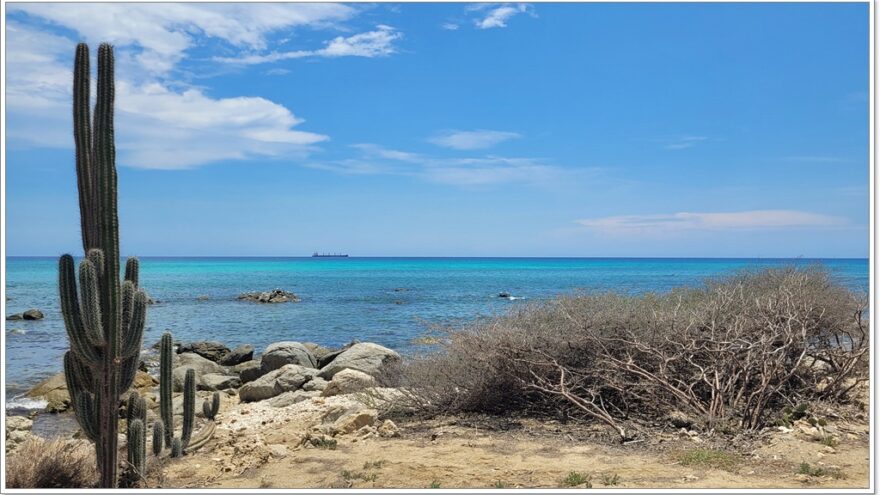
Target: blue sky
717,130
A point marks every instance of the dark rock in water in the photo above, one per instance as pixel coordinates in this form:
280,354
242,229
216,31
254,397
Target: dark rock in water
31,314
274,296
505,295
202,298
401,289
213,350
238,355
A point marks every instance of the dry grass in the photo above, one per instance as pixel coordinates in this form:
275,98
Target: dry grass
58,463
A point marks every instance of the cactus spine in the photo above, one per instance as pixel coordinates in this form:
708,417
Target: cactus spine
166,411
189,406
105,318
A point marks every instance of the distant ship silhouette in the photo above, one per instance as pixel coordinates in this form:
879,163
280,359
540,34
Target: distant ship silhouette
328,255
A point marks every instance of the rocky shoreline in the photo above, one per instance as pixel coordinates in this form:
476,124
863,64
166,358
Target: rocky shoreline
285,373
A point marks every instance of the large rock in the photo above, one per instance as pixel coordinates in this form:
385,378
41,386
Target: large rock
248,371
211,350
348,381
217,381
315,384
281,353
240,354
200,365
288,378
355,420
372,359
273,296
327,357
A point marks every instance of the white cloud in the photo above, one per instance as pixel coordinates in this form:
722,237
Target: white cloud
449,26
377,43
684,221
163,123
164,31
472,140
464,172
497,17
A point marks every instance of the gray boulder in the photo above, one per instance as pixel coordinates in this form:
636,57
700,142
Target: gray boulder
348,381
217,381
288,378
200,365
372,359
290,398
212,350
32,314
315,384
248,371
281,353
240,354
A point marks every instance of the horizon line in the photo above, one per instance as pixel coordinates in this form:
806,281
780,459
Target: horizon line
800,257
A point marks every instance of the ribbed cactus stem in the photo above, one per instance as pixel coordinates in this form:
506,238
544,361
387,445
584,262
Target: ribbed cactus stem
137,447
189,406
176,448
158,437
166,411
210,409
104,321
137,408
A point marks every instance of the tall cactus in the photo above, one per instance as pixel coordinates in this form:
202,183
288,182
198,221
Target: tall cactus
137,448
189,407
105,318
166,408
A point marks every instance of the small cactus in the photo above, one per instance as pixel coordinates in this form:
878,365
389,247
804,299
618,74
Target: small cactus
137,408
189,406
158,437
137,448
210,409
166,410
176,448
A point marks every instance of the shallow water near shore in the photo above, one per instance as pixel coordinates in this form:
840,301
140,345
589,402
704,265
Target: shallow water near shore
390,301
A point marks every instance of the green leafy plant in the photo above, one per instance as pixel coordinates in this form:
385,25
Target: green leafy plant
709,458
609,479
577,479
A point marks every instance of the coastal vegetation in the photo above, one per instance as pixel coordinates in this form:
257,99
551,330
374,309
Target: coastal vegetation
738,353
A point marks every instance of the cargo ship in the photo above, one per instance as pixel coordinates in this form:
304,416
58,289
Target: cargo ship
328,255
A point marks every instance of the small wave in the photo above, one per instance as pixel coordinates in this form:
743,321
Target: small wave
26,403
16,331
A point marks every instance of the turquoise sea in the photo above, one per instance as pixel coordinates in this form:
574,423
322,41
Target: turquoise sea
391,301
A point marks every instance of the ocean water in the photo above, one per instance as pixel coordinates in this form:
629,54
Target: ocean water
391,301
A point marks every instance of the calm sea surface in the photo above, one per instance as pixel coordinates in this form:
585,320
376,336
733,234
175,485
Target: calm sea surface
391,301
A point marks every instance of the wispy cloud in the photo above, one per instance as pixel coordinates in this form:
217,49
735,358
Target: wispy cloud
162,121
497,16
377,43
472,140
684,221
450,26
683,142
464,172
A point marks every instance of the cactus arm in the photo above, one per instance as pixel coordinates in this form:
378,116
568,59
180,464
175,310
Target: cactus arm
137,447
82,136
127,373
80,343
90,303
134,327
132,270
86,409
189,406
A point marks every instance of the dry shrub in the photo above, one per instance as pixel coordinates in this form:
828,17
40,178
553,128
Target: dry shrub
56,463
728,353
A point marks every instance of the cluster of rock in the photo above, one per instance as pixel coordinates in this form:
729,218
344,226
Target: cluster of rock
286,373
31,314
273,296
18,429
